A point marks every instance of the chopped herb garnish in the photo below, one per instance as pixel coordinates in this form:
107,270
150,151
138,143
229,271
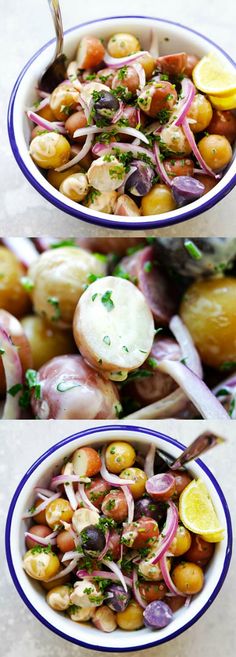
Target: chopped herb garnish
59,245
27,283
118,410
148,265
122,73
38,549
107,300
94,296
92,278
54,302
125,348
63,386
232,407
228,365
152,362
2,351
107,340
15,389
192,249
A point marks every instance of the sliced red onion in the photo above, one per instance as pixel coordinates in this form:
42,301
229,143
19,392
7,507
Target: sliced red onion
160,166
116,570
103,149
72,478
195,389
167,578
83,574
72,554
23,248
168,533
184,339
187,601
141,74
44,491
68,487
39,106
167,407
62,573
84,151
149,461
121,189
181,109
130,502
111,478
13,374
52,126
106,547
42,541
154,49
191,140
86,500
119,112
93,130
118,62
41,507
136,591
201,171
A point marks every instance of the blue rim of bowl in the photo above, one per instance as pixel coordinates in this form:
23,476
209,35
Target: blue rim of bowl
90,219
89,432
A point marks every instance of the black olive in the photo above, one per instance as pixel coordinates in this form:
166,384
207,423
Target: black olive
92,539
105,107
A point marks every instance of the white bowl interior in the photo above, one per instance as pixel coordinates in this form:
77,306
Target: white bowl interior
172,38
86,632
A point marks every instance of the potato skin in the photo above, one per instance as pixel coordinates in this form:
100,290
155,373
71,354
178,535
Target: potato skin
14,329
13,297
46,341
61,275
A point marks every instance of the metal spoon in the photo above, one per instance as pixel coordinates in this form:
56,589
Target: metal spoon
56,71
201,444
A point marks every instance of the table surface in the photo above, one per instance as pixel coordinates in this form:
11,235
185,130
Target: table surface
26,26
20,444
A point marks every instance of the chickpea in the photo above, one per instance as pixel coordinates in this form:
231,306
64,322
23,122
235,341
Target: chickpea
64,99
158,201
119,455
181,542
140,478
131,618
56,177
46,341
188,577
13,297
59,277
157,97
59,597
50,150
75,187
102,201
123,44
128,78
216,151
209,312
40,563
148,63
74,122
201,111
174,139
58,510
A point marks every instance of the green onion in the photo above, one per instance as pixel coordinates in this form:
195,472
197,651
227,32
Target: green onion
192,249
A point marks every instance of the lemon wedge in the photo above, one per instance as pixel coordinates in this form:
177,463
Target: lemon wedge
212,76
197,512
223,102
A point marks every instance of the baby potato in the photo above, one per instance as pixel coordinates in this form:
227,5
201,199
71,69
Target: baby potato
104,619
131,618
13,297
223,123
56,177
63,100
201,111
209,311
37,530
85,594
128,78
148,63
188,577
113,326
106,175
46,113
50,150
140,478
158,201
152,571
90,52
119,455
41,563
59,277
60,581
75,187
216,151
59,597
75,121
58,510
46,340
102,201
126,207
78,614
181,542
115,506
86,462
123,44
83,518
106,76
156,97
14,329
40,517
174,139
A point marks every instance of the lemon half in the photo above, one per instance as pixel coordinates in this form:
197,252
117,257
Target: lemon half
197,512
212,76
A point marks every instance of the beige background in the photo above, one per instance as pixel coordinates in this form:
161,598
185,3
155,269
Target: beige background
20,444
26,25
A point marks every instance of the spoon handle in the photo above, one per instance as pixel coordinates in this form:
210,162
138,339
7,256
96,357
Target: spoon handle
57,19
201,444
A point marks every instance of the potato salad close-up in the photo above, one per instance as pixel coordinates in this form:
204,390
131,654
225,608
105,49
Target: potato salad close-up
102,328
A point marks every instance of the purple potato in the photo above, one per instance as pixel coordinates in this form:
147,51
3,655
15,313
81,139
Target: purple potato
157,615
186,189
139,182
120,599
150,509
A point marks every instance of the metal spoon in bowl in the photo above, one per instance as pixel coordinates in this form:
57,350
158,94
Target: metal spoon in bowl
55,73
201,444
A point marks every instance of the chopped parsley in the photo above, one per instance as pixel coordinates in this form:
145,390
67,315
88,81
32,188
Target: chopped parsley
27,283
59,245
91,196
163,115
118,410
54,302
152,362
94,296
122,73
228,365
148,265
63,386
2,351
15,389
232,407
38,549
107,300
107,340
117,172
92,278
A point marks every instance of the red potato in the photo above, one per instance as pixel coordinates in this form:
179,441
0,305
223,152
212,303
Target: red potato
223,123
114,545
156,97
191,62
72,390
106,75
126,77
38,530
151,591
126,207
117,245
141,533
65,541
182,479
179,167
172,64
158,385
86,161
74,122
200,551
175,602
115,506
86,462
90,52
14,329
208,181
97,490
